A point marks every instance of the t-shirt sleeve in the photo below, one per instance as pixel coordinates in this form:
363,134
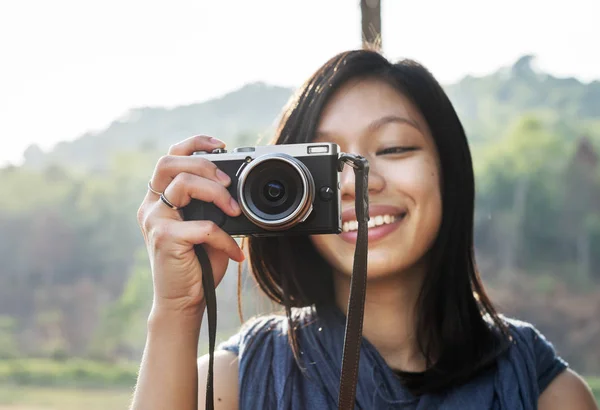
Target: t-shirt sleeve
539,353
232,344
548,363
255,331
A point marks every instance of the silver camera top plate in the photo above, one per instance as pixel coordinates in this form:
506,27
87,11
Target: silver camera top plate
294,150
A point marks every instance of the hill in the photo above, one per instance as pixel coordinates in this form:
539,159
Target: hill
485,104
488,104
248,111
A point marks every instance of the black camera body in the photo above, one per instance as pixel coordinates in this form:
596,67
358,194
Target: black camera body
282,190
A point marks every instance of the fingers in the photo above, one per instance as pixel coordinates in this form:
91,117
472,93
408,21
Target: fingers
186,186
170,166
181,177
186,233
196,143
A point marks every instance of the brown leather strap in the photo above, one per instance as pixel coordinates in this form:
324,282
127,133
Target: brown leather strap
208,285
358,286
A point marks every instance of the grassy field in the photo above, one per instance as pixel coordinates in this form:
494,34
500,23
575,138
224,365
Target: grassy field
39,398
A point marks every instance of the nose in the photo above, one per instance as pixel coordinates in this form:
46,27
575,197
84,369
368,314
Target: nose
348,185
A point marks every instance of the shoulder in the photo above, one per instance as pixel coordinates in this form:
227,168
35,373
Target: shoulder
231,358
254,333
567,391
225,380
558,386
265,332
537,349
255,361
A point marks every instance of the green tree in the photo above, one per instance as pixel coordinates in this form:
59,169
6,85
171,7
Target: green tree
518,193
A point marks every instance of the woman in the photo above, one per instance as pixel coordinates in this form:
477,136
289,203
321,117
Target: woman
432,337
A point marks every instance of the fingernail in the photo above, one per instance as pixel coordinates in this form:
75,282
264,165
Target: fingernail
216,141
223,177
242,256
234,205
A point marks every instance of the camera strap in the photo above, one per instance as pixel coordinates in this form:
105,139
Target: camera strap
358,283
356,300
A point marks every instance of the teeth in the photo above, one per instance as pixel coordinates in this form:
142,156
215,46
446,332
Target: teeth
373,222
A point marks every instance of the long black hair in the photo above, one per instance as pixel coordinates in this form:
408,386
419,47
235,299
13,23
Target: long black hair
458,329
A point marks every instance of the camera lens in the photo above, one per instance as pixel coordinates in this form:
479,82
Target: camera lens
276,191
273,199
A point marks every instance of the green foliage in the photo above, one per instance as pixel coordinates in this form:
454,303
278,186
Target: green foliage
71,373
8,345
122,324
488,103
29,189
525,180
594,383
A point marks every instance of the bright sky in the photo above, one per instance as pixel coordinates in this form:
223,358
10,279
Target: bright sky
70,66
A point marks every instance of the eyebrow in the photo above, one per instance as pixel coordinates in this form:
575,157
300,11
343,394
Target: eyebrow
375,125
392,119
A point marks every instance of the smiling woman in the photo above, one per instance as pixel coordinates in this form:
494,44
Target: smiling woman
432,337
370,117
431,334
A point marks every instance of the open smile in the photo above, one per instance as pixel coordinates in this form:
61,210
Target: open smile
383,220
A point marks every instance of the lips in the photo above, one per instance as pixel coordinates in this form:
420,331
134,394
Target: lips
383,220
349,215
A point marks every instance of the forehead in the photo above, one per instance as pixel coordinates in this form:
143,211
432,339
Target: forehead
360,103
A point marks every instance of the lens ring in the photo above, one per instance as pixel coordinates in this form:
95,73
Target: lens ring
303,207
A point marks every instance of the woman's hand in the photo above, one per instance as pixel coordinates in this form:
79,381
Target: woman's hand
170,240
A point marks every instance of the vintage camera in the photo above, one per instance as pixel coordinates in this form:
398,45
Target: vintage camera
281,189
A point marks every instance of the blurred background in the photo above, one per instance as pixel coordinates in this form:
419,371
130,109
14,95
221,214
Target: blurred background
92,93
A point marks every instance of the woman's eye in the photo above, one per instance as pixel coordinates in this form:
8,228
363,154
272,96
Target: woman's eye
396,150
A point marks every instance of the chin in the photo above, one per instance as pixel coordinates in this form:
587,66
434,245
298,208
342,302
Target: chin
385,259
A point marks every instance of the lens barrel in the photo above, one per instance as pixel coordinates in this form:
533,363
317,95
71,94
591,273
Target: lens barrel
276,191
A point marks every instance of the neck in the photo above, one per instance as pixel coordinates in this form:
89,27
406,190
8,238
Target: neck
389,316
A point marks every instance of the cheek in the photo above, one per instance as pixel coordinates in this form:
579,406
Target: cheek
415,178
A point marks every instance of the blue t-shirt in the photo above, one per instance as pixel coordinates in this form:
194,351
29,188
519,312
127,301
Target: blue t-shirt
269,377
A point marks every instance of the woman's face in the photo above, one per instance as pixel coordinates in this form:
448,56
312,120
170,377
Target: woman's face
370,118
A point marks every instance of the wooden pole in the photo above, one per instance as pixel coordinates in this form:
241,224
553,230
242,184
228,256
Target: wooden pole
371,24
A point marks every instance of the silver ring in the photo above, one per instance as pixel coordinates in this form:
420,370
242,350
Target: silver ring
152,189
167,202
